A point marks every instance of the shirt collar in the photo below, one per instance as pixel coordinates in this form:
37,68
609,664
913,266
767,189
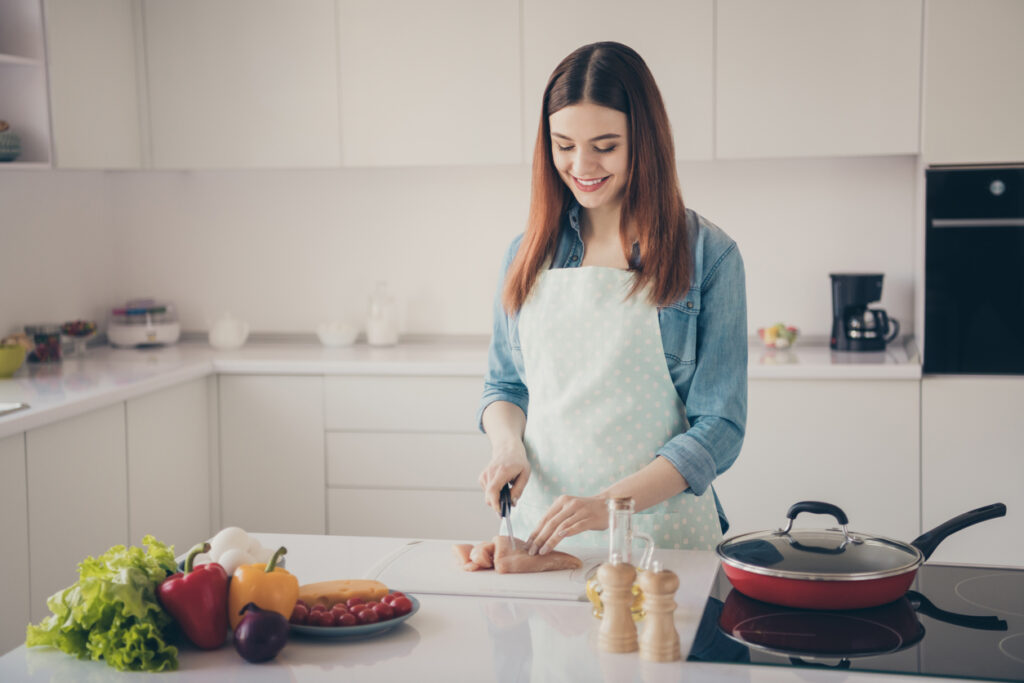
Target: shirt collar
574,216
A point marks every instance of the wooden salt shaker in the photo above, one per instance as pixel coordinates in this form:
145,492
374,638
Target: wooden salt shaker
659,641
618,632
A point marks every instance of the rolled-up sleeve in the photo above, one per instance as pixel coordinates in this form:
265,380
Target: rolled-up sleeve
716,394
503,381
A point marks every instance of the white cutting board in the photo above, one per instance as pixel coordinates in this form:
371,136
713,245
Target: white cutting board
431,567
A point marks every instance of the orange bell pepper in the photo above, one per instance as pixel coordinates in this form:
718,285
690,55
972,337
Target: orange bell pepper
269,586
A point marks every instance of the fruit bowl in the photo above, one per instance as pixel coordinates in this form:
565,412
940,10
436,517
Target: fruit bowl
11,358
778,336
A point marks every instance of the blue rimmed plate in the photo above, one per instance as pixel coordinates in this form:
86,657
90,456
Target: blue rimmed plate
357,631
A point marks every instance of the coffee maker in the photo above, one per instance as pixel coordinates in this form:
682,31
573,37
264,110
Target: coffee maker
855,327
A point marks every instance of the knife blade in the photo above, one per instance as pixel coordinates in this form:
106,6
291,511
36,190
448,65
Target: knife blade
505,499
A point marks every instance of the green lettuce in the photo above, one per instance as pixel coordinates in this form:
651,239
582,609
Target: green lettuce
112,613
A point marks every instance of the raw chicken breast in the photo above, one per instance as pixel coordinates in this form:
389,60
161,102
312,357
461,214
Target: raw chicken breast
508,557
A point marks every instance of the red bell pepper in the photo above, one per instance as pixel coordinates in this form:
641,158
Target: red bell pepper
198,600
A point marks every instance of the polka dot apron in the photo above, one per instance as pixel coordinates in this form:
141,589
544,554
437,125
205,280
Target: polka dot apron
601,403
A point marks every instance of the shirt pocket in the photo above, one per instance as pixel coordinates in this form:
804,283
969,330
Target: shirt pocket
678,323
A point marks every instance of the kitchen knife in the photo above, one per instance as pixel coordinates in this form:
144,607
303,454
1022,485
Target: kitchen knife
505,498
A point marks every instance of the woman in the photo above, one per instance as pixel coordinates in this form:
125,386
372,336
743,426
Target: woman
619,325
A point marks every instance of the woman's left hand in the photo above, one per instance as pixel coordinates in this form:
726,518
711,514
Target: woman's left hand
568,516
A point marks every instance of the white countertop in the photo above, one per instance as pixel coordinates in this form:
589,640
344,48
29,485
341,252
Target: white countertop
451,638
106,375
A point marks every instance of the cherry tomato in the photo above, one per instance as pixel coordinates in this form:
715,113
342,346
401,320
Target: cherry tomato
352,602
397,594
384,611
402,605
372,604
300,613
322,618
367,616
345,619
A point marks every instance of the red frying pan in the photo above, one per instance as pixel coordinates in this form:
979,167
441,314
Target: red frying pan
832,568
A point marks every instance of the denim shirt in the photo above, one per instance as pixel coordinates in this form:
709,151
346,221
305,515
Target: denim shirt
704,336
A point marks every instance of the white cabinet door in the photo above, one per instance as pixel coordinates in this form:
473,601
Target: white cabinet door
429,83
14,588
407,460
455,515
853,443
402,404
242,83
971,456
798,78
973,88
94,86
77,497
169,466
675,39
272,453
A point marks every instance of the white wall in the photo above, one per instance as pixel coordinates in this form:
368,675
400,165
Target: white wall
286,250
57,247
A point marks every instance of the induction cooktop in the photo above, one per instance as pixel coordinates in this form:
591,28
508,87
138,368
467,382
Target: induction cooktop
956,621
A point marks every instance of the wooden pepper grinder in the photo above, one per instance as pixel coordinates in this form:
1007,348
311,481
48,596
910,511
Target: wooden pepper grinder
618,631
659,641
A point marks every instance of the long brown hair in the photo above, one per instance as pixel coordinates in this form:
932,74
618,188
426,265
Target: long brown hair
611,75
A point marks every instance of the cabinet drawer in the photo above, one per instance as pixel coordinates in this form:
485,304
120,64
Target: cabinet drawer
456,515
419,461
402,404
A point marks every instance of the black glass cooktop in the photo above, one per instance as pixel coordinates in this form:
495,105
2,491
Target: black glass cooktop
964,622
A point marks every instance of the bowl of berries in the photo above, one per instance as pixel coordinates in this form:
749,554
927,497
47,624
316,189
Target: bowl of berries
353,618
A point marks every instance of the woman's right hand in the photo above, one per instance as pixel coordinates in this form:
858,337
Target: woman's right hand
508,463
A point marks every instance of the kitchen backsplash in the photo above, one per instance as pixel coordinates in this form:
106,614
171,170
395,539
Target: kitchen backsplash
286,250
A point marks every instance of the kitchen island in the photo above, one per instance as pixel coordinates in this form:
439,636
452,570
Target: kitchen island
451,637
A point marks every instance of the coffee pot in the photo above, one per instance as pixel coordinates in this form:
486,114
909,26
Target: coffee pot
855,327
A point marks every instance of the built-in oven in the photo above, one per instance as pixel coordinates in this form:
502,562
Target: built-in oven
974,270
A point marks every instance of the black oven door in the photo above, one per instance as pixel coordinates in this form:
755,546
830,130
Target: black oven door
974,271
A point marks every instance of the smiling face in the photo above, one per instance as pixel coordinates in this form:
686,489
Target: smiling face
590,150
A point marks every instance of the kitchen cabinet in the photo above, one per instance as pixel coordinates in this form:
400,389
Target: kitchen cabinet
242,83
96,76
14,590
272,453
23,97
970,456
77,497
973,91
407,449
675,40
429,83
169,465
802,78
854,443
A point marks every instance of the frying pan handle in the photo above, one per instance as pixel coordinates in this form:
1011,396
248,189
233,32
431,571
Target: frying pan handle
818,508
930,540
925,606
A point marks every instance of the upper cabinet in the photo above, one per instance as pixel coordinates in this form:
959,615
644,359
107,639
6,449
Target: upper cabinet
194,84
23,98
802,78
95,80
973,88
674,38
429,83
242,83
